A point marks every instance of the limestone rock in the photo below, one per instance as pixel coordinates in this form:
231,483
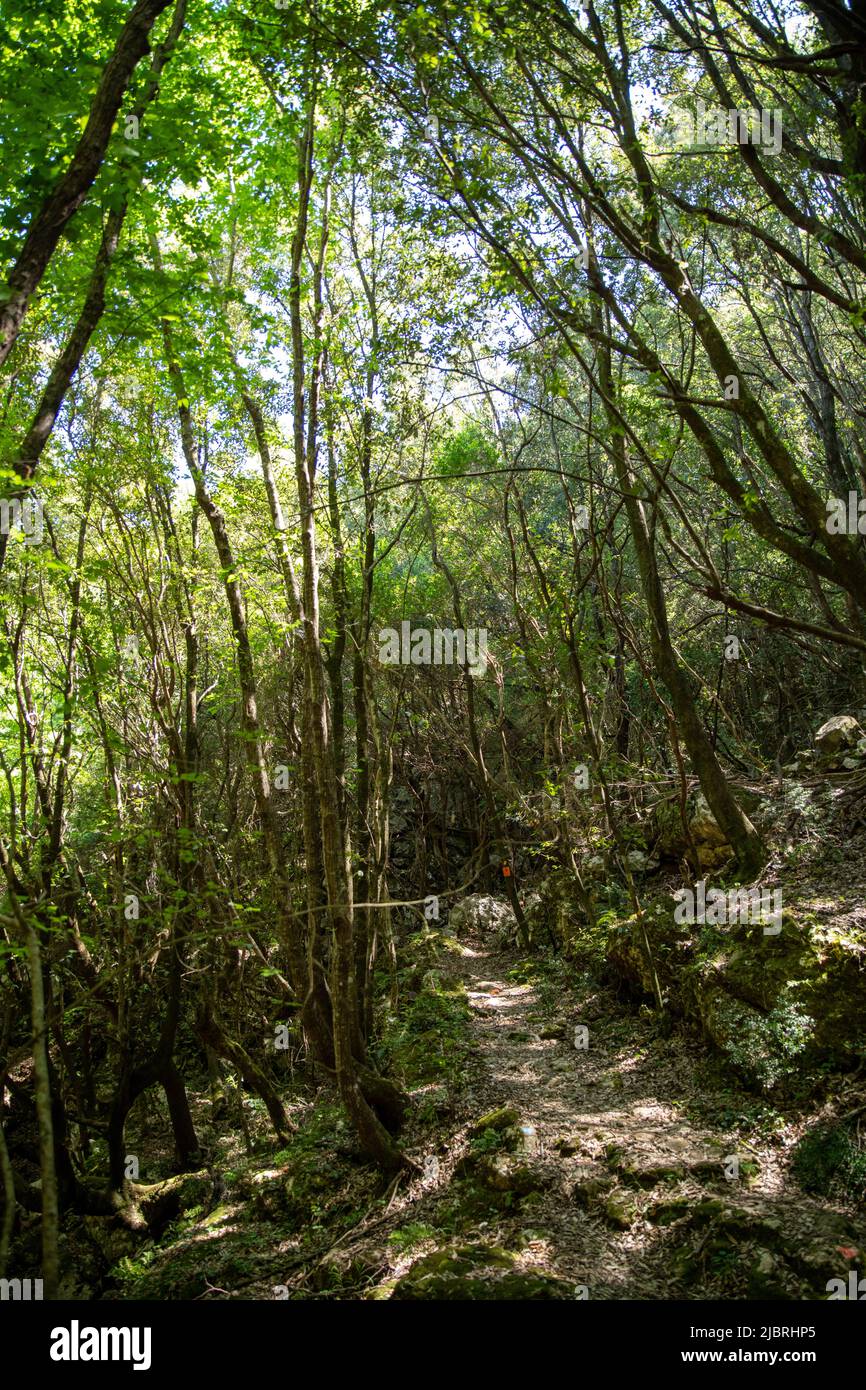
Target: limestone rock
642,861
767,1278
570,1144
703,825
804,1240
771,1003
656,1156
627,954
839,733
590,1184
713,856
667,1210
707,836
554,1030
482,914
502,1173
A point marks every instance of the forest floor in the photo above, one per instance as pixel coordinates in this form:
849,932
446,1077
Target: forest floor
632,1168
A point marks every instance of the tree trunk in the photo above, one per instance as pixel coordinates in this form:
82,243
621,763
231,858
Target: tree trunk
738,829
50,1203
63,202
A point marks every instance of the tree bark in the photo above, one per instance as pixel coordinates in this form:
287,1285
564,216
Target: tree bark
63,202
738,829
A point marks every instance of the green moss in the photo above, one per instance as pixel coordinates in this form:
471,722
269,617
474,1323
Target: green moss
774,1004
495,1123
415,1233
477,1272
430,1038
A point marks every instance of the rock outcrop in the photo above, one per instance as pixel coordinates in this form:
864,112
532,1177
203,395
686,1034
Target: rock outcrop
839,734
482,914
771,1003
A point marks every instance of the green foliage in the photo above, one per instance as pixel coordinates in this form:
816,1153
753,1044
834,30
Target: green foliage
769,1047
500,427
415,1233
429,1041
831,1161
470,450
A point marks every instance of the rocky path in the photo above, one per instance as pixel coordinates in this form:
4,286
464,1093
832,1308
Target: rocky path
633,1167
616,1190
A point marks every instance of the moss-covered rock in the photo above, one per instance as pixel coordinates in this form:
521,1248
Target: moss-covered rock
763,1048
502,1173
554,1030
553,910
814,968
571,1144
771,1248
477,1272
620,1209
496,1121
830,1160
590,1184
769,1278
667,1210
654,1157
295,1191
771,1002
654,945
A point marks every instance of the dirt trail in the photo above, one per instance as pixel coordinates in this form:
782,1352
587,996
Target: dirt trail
546,1170
635,1201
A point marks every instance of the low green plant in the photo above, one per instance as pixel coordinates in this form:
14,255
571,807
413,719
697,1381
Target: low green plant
831,1160
413,1234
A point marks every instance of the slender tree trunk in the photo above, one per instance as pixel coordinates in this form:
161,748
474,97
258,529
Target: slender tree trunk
334,832
50,1202
54,393
63,202
738,829
9,1202
214,1035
